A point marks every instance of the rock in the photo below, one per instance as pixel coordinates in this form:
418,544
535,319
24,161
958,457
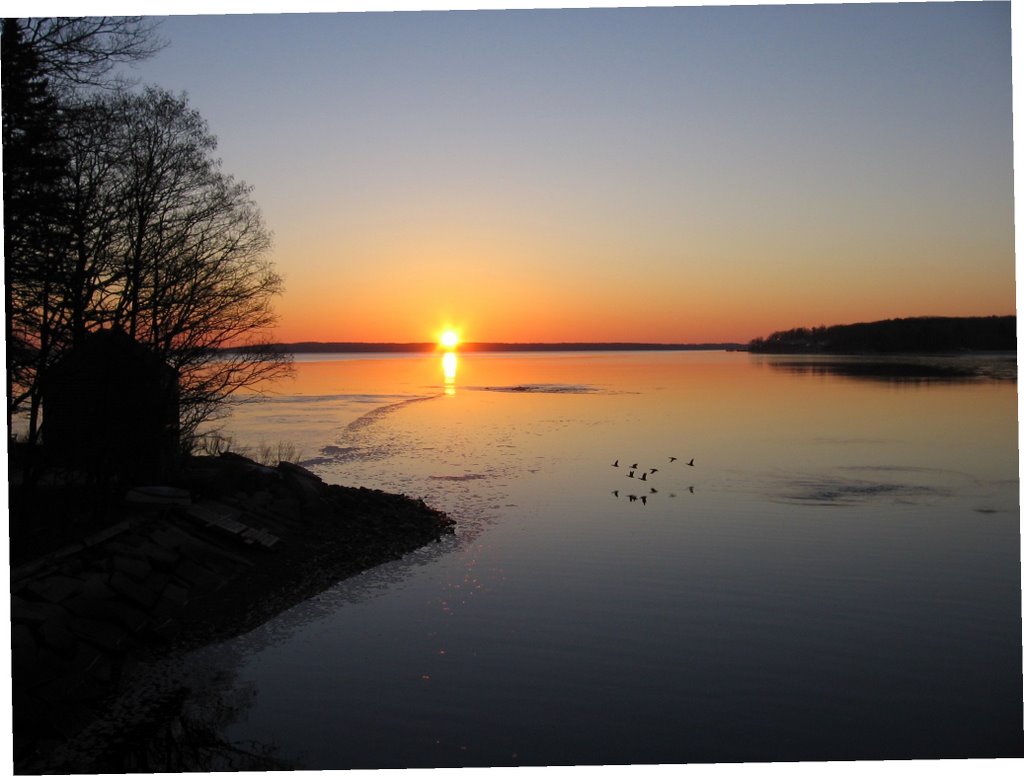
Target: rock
195,576
176,595
21,637
29,713
26,570
133,567
170,537
213,512
103,634
35,666
108,533
212,557
95,586
32,612
260,498
261,537
115,611
54,588
70,719
157,494
166,629
159,556
56,635
90,660
129,588
65,696
288,468
308,490
157,580
287,507
72,567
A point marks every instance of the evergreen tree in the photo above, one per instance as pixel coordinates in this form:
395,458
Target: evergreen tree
33,168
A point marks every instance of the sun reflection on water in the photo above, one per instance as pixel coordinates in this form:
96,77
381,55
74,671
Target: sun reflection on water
449,364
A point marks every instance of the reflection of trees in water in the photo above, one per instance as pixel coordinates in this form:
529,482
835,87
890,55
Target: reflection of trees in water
902,369
176,713
189,741
168,720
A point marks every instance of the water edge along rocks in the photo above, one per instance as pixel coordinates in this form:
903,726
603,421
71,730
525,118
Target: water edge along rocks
231,544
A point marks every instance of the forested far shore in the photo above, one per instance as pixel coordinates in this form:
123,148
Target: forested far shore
897,335
492,347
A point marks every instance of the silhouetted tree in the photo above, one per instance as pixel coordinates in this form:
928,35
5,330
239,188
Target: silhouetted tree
162,244
898,335
33,168
192,277
47,62
132,224
83,51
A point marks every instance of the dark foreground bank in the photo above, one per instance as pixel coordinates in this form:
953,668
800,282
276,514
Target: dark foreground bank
231,545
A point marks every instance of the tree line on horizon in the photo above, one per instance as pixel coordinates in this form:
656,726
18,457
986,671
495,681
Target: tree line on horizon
493,347
897,335
117,215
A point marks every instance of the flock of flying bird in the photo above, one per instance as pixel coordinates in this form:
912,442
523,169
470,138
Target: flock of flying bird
631,473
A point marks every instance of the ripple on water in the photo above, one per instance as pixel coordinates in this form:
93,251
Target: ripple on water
836,490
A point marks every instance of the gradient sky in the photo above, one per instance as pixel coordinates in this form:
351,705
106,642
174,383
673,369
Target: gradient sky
683,174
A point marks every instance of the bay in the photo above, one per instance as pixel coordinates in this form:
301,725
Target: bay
837,575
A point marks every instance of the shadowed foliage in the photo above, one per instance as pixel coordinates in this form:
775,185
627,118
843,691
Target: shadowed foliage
119,216
898,335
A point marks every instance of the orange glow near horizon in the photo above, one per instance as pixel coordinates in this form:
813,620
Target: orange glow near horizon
599,319
562,292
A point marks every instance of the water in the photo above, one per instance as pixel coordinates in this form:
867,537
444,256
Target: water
836,577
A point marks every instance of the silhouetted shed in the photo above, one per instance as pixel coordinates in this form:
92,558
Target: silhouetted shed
110,407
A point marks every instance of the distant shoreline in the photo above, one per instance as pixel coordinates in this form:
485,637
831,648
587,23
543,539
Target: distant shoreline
492,347
921,335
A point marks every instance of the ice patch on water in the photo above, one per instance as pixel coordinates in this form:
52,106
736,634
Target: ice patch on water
447,464
536,388
333,454
380,412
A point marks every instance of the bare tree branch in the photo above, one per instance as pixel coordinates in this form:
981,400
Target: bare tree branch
84,51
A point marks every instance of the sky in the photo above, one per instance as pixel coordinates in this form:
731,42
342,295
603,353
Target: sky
690,174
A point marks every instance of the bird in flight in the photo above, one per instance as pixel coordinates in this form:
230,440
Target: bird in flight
616,462
690,462
644,476
633,466
615,493
672,458
631,473
653,471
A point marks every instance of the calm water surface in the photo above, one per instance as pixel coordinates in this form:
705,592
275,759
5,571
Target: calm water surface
836,577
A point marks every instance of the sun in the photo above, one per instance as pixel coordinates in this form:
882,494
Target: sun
449,339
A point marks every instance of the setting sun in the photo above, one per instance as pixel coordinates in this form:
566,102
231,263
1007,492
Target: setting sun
449,339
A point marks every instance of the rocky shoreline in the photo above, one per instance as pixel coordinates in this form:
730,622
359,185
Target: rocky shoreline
228,546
